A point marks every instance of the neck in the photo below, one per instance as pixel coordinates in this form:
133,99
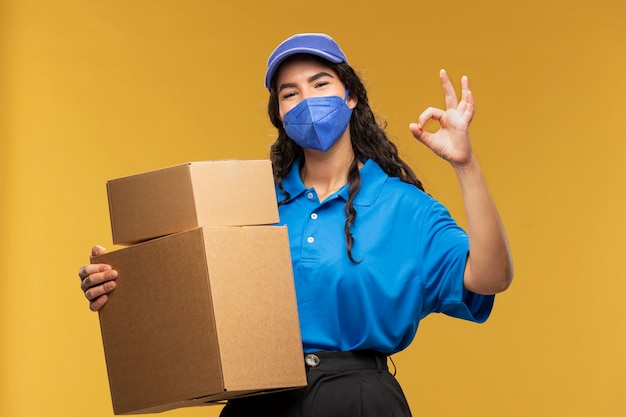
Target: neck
328,171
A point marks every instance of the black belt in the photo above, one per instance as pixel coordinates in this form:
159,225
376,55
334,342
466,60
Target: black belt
345,361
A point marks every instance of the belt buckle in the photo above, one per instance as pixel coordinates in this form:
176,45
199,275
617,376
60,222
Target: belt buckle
312,360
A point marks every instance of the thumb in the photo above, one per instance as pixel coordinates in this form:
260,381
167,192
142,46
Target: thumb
418,132
97,250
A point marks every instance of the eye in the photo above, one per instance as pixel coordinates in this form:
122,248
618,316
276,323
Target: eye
288,94
321,84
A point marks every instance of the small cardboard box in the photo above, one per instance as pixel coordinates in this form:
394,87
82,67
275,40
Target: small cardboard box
207,193
201,316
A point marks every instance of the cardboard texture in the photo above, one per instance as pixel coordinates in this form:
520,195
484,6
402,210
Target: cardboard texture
208,193
200,316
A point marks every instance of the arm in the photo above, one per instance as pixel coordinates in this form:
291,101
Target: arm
489,267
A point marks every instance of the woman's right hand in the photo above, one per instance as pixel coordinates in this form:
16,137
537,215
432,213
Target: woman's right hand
97,280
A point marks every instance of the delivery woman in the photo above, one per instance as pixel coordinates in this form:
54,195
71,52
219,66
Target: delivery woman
372,253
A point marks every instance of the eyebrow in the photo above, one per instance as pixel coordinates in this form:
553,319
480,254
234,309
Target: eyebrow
310,80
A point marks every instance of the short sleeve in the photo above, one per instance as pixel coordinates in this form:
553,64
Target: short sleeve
445,248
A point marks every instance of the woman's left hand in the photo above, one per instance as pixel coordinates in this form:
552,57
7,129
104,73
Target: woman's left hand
451,142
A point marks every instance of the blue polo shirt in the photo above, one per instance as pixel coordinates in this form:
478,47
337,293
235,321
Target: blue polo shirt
411,255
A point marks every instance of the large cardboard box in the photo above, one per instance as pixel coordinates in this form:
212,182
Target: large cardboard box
201,316
207,193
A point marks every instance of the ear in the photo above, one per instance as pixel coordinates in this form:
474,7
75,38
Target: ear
352,101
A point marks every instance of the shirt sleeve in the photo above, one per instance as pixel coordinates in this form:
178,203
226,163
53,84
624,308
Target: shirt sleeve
445,248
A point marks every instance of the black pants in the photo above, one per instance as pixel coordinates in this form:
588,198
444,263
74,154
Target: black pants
344,384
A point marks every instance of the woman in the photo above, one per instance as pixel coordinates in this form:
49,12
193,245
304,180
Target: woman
372,253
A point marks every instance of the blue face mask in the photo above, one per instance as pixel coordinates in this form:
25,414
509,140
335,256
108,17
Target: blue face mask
318,122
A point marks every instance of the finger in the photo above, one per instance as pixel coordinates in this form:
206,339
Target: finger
419,133
465,87
98,303
97,250
448,90
468,113
85,271
97,291
90,269
98,278
467,100
431,113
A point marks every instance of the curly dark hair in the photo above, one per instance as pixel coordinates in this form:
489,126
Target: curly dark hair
369,141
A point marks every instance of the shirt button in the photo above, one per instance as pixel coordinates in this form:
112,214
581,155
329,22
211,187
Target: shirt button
310,239
309,196
314,216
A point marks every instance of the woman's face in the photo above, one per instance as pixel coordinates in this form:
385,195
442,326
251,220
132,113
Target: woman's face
301,77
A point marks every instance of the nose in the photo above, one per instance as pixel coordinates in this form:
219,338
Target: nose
304,94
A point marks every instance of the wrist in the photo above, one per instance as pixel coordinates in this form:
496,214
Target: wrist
468,165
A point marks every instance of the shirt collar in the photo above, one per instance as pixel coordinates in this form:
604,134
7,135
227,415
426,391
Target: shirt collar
372,180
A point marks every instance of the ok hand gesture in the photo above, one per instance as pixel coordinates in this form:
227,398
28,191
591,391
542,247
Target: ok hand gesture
451,142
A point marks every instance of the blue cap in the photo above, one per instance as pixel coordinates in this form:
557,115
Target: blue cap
318,44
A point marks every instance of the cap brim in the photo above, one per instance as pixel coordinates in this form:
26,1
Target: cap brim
278,60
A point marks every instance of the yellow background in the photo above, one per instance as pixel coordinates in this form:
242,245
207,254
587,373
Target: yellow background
93,90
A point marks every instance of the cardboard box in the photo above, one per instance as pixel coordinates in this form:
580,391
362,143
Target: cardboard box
201,316
210,193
